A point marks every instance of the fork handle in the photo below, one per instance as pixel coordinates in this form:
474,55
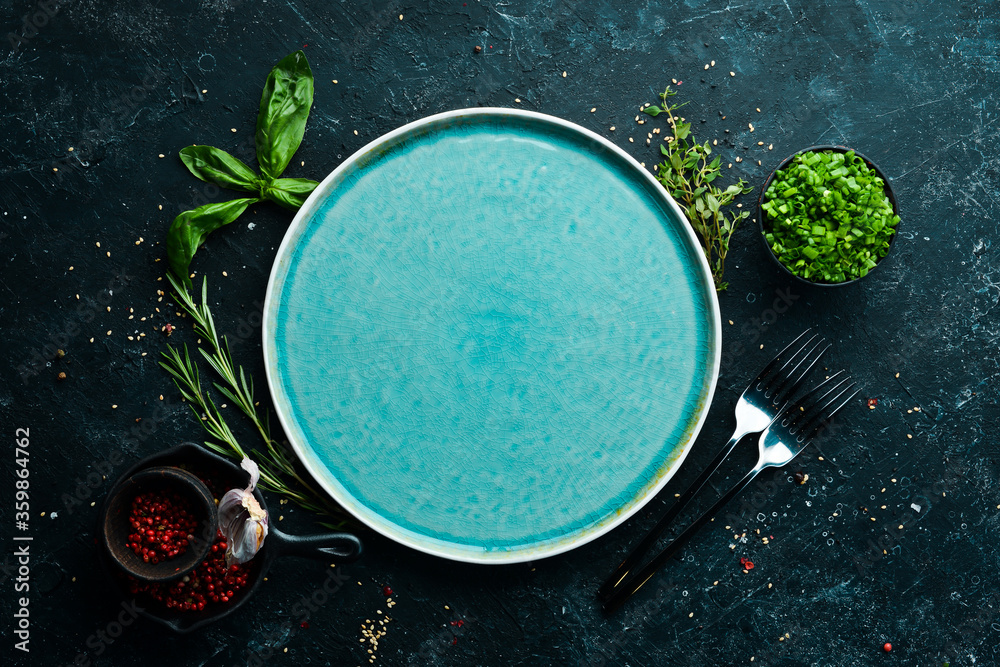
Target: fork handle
636,582
634,556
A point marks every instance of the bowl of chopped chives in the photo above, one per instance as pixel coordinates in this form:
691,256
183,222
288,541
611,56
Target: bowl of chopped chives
827,215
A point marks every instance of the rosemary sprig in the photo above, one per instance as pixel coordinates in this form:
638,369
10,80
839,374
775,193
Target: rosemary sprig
687,174
278,472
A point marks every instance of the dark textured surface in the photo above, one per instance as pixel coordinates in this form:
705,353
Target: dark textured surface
911,85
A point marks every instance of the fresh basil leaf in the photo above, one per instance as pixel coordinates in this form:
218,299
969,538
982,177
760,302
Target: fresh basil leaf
290,192
284,109
190,228
217,166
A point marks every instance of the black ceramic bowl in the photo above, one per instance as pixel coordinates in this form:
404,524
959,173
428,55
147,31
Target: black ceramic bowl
117,527
341,547
764,226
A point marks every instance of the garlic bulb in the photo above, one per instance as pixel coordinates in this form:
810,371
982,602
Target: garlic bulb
242,520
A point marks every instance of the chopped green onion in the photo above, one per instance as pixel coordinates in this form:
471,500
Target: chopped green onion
827,217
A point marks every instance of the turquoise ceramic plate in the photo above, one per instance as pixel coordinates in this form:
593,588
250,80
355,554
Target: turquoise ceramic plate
491,336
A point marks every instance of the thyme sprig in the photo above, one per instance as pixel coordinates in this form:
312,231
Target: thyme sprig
687,173
277,470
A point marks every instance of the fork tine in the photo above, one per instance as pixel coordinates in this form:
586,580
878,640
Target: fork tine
777,372
811,415
778,357
826,413
807,402
793,378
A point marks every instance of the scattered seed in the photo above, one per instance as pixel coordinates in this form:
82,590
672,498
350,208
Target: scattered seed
517,100
564,74
713,63
751,126
233,130
732,74
595,109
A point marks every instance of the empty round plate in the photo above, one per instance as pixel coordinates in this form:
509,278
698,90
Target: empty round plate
491,335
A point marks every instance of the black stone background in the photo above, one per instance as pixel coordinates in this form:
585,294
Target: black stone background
910,83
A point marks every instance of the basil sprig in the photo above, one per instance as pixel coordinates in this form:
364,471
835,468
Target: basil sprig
191,227
281,123
284,108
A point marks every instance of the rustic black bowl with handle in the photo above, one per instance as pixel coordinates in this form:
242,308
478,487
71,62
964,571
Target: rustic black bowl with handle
340,547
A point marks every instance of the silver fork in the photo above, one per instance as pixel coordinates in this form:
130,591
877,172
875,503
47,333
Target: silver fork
755,409
783,439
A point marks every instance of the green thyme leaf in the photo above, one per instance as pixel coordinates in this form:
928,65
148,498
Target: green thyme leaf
688,175
284,109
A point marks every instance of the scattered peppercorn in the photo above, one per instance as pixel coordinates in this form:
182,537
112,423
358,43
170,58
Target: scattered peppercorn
162,524
386,591
801,478
887,647
61,376
211,582
478,49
